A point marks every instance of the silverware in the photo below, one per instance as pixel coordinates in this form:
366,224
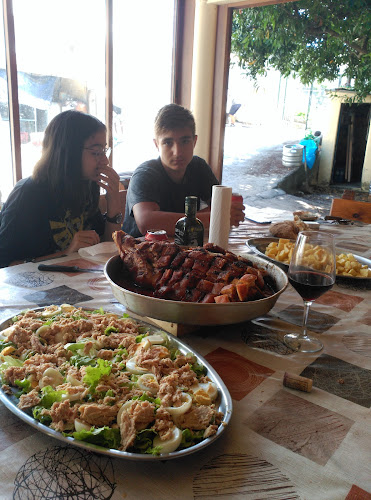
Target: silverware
66,269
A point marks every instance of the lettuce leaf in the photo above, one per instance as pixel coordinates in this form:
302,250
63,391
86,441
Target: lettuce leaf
50,396
8,361
104,436
95,373
24,384
37,413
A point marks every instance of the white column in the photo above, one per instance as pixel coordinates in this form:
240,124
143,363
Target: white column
203,73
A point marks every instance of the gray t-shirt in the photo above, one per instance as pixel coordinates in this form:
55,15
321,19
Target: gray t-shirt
150,182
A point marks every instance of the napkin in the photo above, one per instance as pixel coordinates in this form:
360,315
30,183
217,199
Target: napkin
220,215
100,252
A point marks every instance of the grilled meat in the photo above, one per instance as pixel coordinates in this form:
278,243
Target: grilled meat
202,274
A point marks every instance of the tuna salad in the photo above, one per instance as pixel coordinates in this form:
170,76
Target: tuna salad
107,380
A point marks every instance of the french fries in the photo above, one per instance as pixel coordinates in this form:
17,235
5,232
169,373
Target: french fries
281,250
346,264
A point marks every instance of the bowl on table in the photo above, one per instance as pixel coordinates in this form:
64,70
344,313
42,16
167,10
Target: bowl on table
191,313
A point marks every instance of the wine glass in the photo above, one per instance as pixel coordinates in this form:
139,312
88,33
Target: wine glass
312,272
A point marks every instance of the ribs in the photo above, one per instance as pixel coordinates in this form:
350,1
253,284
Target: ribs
202,274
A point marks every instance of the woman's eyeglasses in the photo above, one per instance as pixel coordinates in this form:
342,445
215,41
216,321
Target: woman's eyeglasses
99,152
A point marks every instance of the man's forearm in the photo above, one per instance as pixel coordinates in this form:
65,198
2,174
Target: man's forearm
167,221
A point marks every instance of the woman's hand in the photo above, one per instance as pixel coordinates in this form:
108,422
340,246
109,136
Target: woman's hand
83,239
109,180
237,213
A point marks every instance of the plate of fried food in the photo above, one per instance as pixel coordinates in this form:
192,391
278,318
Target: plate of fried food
195,286
279,251
110,384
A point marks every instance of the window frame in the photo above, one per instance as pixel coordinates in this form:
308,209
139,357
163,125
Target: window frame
182,63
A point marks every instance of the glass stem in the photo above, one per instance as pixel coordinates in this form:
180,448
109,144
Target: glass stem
307,304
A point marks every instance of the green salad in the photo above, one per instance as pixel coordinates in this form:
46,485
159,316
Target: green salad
107,380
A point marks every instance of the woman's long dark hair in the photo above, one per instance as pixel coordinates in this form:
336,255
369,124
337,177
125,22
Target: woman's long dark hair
60,165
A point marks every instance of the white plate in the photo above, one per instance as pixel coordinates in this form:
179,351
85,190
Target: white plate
224,404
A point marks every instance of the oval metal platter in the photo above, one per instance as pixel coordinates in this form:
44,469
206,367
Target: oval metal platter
223,403
259,245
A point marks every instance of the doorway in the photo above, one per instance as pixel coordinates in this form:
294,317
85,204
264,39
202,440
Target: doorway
351,144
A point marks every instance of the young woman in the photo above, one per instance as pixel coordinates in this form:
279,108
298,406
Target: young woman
56,209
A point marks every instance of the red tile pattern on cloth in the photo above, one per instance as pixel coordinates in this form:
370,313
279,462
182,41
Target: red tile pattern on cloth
242,475
356,493
340,300
300,426
240,375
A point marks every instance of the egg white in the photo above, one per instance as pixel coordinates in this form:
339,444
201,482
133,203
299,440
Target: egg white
170,444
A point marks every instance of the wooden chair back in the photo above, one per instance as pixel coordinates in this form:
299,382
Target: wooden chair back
351,209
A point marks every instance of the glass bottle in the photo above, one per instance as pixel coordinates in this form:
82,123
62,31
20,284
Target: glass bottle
189,231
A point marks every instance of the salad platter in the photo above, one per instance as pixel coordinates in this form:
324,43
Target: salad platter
108,363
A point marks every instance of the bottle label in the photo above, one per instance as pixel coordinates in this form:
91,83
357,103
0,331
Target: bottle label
189,238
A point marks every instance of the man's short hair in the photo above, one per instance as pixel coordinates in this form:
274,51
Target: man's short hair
174,117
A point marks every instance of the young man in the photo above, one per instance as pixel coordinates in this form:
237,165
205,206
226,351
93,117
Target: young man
157,189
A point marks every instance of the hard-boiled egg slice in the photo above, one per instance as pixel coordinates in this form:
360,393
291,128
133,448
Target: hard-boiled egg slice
51,312
132,367
170,444
73,380
148,382
7,331
42,330
80,426
67,307
175,411
124,407
52,377
207,387
156,338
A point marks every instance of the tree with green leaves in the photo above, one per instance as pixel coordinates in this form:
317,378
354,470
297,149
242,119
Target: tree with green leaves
313,40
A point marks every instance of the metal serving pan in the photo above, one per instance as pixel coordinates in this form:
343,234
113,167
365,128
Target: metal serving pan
223,402
191,313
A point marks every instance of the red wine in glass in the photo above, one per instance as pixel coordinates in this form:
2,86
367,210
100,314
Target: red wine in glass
312,273
311,284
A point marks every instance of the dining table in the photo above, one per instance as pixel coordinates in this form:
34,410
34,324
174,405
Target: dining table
283,441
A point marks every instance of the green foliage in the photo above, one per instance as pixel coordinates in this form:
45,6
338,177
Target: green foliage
310,40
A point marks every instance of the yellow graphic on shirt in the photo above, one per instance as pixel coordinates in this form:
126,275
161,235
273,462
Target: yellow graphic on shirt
64,230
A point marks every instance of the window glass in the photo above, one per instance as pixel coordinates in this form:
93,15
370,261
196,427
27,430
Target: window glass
60,49
6,179
142,73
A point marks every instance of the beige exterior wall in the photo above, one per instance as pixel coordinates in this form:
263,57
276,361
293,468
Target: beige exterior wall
329,124
203,73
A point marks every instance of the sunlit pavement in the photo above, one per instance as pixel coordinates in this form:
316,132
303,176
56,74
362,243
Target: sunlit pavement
253,167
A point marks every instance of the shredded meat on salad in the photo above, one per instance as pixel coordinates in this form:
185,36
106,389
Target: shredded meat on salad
107,380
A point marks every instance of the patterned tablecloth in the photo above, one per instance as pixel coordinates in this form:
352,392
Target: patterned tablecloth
281,443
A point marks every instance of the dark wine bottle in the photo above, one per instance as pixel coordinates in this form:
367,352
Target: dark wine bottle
189,231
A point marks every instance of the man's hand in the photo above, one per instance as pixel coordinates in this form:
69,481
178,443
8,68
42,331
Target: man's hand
237,213
83,239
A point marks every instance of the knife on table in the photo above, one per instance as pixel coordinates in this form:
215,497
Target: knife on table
67,269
